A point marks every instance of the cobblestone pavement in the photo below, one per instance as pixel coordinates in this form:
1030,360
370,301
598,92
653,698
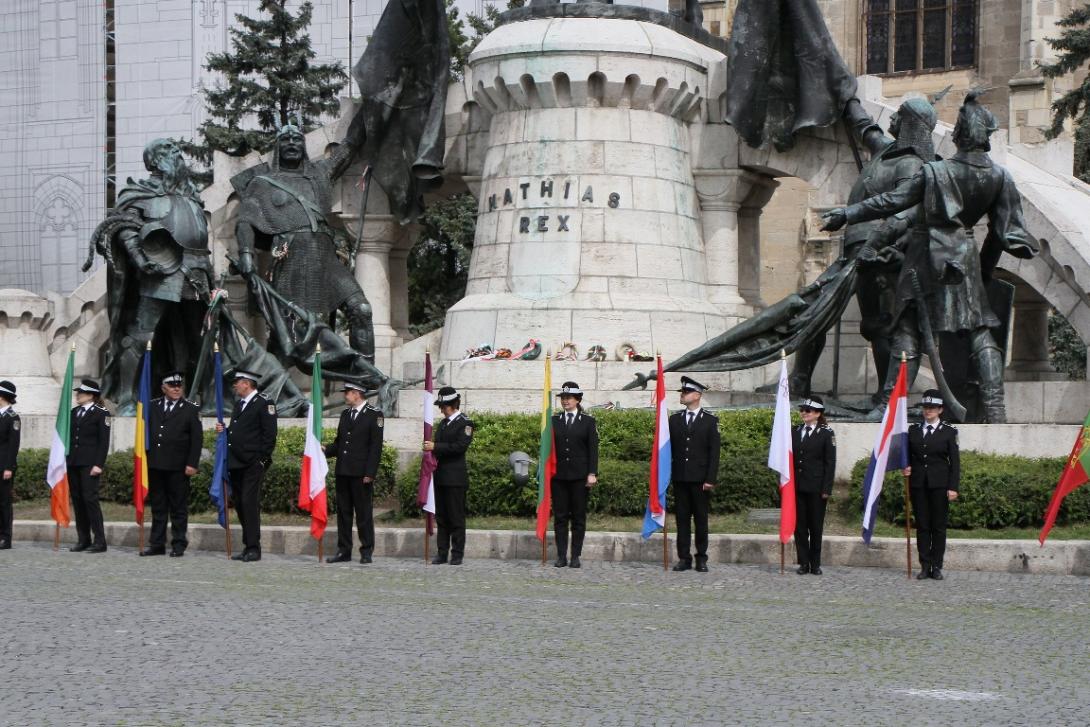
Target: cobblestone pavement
115,639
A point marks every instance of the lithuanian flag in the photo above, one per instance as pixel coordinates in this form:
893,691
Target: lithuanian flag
546,456
56,473
1076,473
141,443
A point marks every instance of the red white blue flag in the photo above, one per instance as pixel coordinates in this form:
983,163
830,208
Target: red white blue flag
890,450
654,519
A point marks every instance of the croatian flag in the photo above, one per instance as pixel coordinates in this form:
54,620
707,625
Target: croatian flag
890,450
654,519
781,458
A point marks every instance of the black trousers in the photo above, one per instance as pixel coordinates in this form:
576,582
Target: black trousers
7,513
809,524
246,494
569,506
355,496
691,503
84,490
168,494
931,509
450,517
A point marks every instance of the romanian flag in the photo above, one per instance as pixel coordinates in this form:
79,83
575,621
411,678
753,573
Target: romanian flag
1076,473
141,443
57,470
312,494
546,456
781,458
425,488
654,519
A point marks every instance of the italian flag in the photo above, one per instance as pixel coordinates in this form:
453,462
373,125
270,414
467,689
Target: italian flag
57,471
1076,473
315,467
546,456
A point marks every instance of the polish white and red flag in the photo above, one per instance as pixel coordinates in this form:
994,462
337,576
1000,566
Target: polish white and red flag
780,456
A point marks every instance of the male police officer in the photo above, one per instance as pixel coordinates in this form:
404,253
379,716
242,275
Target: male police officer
934,475
358,449
694,437
174,426
452,437
251,438
9,453
89,443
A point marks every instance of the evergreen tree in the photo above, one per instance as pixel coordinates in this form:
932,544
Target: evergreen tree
269,78
1074,50
439,261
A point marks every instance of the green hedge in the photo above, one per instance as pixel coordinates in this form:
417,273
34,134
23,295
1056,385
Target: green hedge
280,491
996,492
625,439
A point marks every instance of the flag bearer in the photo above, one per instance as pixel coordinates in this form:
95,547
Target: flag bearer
575,438
934,474
176,436
358,449
452,438
9,454
89,443
251,438
814,447
694,437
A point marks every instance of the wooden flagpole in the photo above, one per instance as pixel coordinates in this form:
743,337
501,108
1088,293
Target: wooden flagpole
908,530
783,546
57,537
665,543
545,538
427,534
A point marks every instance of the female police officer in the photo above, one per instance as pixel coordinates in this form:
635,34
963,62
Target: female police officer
814,445
934,474
575,438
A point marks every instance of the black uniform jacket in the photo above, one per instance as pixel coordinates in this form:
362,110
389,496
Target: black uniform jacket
9,439
935,460
695,451
89,438
251,436
358,446
175,437
576,446
452,439
815,459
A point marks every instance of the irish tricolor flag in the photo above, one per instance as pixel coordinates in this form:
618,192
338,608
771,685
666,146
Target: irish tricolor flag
57,471
1076,473
781,458
315,467
546,456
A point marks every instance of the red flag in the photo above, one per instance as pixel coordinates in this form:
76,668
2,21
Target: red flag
425,489
1076,473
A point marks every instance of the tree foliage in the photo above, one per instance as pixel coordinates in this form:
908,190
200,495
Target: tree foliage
439,262
267,79
1066,351
1073,48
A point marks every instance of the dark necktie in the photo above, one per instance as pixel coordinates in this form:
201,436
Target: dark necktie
927,433
169,407
689,421
352,416
80,413
805,433
568,421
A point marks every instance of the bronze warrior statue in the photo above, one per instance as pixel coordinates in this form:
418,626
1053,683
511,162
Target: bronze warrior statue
155,242
941,285
285,205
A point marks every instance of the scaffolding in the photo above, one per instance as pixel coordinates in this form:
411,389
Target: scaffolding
110,80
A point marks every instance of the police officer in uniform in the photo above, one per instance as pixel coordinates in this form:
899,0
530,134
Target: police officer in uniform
358,449
251,438
452,438
9,454
694,437
814,445
89,443
175,428
934,474
575,437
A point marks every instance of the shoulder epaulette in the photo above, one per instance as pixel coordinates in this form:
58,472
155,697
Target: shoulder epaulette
948,424
102,408
262,395
157,400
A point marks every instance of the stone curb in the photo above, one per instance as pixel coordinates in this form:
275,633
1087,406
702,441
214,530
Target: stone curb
1062,557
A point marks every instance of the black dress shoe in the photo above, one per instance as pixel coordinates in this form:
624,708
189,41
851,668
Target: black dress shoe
339,558
365,559
936,574
175,553
575,562
924,574
439,559
816,570
702,566
153,551
79,547
239,556
456,560
251,556
5,545
561,563
97,548
802,570
683,565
